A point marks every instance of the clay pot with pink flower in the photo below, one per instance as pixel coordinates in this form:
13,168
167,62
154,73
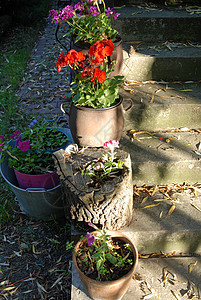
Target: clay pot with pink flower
29,153
96,113
105,261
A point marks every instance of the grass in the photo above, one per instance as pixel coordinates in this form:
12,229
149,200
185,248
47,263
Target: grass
15,50
14,55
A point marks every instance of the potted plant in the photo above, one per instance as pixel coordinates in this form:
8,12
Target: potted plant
105,167
105,262
30,155
96,113
90,21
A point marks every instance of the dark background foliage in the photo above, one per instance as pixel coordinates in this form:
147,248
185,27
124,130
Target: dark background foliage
24,12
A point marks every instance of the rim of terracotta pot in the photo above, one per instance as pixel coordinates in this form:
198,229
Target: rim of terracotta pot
99,109
112,281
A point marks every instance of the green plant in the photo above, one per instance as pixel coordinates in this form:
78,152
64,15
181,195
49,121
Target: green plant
105,167
104,255
87,20
69,245
92,86
7,204
53,241
30,152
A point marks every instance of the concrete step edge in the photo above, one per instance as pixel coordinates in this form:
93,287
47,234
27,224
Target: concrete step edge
156,105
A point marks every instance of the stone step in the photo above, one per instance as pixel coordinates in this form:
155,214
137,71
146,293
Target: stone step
148,279
156,105
117,3
143,23
161,61
166,218
160,158
167,222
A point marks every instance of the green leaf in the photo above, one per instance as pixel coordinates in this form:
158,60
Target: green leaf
99,264
113,260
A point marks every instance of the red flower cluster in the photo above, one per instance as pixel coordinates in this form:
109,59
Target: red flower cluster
73,57
97,52
100,75
101,49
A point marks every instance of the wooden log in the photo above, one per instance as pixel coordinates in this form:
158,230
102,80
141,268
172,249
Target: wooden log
109,204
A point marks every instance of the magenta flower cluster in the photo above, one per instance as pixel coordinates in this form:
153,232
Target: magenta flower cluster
22,145
63,15
79,9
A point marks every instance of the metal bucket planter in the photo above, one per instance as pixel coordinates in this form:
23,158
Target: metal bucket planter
107,290
36,202
40,203
93,127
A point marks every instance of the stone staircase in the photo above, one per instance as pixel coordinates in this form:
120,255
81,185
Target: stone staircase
162,67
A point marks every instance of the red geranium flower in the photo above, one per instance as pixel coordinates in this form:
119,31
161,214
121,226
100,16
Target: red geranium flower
100,75
69,59
101,49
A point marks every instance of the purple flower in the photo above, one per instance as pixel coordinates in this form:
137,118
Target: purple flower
1,137
109,11
52,13
33,123
94,11
116,16
18,139
90,239
79,6
66,12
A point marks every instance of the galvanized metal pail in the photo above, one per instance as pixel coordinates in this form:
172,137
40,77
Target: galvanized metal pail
36,202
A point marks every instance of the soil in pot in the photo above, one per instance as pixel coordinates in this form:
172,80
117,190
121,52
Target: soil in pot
113,272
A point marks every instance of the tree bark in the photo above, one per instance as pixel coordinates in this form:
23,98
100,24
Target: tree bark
109,204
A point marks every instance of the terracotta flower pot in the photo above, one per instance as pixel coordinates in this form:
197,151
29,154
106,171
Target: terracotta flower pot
107,290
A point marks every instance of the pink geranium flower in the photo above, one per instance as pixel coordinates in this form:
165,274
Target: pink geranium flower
24,146
111,145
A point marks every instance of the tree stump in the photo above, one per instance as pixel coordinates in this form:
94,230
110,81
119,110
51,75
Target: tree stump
109,204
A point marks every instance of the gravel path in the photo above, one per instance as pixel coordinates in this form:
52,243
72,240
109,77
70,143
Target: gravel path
43,89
